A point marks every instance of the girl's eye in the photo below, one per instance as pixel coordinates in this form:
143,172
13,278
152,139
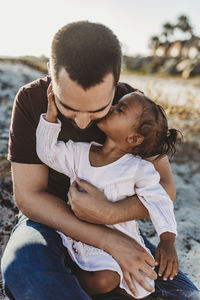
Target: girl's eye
119,109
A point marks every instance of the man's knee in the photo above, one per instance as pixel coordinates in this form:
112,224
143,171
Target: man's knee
30,250
36,272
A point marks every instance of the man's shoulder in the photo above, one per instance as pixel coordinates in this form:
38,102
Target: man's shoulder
122,89
39,86
33,95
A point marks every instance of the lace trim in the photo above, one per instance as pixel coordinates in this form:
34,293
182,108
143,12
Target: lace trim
82,250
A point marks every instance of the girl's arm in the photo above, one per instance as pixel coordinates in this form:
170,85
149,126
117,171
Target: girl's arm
166,176
54,153
154,198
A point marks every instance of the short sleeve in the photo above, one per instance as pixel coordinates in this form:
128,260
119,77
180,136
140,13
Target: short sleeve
154,198
22,141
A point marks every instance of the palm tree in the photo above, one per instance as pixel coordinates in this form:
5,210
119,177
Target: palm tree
184,25
168,29
154,42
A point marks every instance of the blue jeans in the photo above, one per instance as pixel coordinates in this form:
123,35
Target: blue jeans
36,266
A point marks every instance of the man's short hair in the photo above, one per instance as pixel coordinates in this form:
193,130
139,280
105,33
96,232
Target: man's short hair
87,51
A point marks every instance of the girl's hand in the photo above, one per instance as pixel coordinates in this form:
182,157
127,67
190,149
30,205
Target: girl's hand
167,258
52,111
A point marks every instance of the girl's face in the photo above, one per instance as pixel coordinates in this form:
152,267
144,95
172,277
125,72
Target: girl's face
122,120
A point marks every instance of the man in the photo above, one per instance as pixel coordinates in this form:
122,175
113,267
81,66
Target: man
84,72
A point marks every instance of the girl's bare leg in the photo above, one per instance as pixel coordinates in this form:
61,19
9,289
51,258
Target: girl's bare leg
98,282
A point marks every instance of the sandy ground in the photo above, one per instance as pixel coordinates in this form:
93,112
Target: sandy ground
186,169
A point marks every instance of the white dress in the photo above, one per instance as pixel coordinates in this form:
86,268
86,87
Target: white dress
125,177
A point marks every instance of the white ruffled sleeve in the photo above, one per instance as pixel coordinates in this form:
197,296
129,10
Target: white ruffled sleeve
154,198
56,154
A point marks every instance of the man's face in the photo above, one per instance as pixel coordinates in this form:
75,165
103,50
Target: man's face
82,106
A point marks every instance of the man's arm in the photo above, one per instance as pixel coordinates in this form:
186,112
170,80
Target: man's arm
166,176
30,183
132,208
30,189
95,208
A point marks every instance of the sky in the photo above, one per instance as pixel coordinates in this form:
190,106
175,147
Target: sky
27,27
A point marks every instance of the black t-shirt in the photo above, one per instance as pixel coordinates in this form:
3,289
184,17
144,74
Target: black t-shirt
30,102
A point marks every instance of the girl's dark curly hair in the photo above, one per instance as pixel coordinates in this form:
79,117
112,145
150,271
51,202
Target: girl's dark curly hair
159,140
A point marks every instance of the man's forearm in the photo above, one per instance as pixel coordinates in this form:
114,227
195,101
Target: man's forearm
132,208
45,208
128,209
166,176
49,210
170,189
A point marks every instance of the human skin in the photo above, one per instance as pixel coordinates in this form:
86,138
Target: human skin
30,184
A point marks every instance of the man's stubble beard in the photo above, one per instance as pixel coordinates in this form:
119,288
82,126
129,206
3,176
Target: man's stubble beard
92,123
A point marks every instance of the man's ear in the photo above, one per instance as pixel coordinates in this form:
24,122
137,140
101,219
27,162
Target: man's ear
48,67
135,139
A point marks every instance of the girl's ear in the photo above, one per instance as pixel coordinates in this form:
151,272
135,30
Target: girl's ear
135,139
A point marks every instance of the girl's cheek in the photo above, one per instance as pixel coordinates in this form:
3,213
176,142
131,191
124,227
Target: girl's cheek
103,114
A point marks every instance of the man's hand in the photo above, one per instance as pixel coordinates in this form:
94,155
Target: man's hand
134,261
92,205
88,203
52,111
166,256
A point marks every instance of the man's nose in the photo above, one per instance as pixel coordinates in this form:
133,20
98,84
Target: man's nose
82,120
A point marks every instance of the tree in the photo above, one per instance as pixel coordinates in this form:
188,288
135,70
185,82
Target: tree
184,25
154,42
168,29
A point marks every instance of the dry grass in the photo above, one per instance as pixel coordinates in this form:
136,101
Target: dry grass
37,63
